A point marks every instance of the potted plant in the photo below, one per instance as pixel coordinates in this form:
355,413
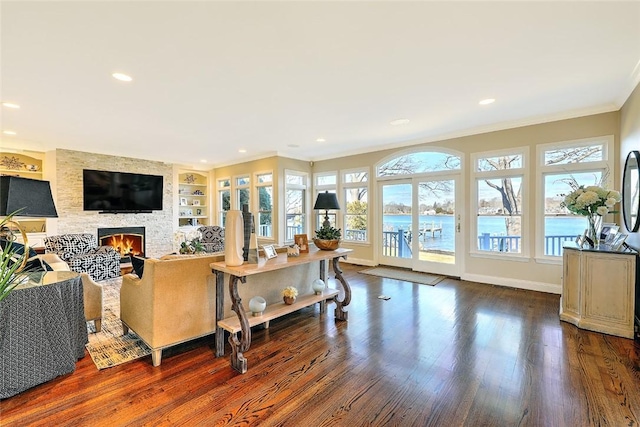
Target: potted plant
289,295
327,238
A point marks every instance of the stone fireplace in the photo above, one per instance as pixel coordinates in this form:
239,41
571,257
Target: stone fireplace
126,240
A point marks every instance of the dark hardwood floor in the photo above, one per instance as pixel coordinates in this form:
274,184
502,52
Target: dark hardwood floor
456,354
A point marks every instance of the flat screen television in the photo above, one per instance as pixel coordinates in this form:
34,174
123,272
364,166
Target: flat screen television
121,192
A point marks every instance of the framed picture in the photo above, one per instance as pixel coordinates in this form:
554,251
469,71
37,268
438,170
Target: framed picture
580,239
198,212
183,201
302,242
617,242
608,232
196,203
270,251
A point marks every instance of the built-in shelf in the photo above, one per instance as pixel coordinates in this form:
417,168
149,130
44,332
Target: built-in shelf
190,214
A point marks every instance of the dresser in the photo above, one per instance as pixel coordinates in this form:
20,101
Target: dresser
600,290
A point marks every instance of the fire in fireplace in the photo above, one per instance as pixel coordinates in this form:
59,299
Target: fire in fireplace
126,240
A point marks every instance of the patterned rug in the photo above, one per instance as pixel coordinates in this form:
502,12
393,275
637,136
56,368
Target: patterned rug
406,275
109,347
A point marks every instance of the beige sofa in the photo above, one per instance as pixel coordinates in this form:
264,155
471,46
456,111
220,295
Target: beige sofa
175,301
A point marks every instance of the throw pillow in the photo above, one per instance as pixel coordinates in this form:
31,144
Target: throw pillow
138,265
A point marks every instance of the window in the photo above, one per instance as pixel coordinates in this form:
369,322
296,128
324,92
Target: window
264,189
224,199
355,187
499,185
586,162
242,191
326,181
295,204
417,163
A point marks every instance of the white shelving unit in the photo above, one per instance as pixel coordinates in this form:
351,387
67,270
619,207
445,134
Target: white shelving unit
192,199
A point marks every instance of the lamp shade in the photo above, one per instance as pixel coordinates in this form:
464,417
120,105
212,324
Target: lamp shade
31,196
326,201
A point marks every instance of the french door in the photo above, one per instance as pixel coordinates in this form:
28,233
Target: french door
421,224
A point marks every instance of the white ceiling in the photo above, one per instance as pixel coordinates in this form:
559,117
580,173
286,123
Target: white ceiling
273,77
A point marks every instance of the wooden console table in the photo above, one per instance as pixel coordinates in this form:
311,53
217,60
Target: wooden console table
243,322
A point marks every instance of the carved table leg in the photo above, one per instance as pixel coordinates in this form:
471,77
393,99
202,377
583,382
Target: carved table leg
323,277
340,312
239,346
219,312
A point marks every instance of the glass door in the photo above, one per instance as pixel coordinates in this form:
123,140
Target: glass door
437,221
396,225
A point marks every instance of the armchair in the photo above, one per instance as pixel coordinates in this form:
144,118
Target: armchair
212,238
82,253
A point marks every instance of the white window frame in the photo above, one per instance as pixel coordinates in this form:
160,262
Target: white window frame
344,186
321,188
305,203
256,198
238,187
220,188
523,173
543,170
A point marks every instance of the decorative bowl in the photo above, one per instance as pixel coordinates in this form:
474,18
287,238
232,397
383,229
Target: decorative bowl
257,305
327,245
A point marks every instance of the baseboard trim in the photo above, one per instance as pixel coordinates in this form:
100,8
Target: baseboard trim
549,288
358,261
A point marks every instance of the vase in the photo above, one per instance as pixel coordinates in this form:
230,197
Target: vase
257,305
289,300
233,239
595,228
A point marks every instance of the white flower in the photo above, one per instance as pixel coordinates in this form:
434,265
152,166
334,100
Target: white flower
591,200
602,210
610,202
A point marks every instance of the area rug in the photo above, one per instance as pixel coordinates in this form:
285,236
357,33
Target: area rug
109,347
406,275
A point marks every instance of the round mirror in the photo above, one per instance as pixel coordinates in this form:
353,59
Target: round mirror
631,192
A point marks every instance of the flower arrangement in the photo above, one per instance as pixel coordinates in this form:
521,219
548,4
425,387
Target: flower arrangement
594,202
11,262
290,292
189,242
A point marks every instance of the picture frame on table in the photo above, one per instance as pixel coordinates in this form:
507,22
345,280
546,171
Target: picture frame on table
608,232
618,241
183,201
270,251
580,239
303,242
196,202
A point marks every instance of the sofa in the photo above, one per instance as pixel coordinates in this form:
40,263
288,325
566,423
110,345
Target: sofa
175,300
82,253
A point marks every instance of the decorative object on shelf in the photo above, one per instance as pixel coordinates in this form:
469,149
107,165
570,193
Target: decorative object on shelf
234,239
302,242
327,238
32,168
270,251
190,179
318,286
198,193
12,162
183,201
592,201
196,203
247,219
326,201
257,305
289,295
293,251
631,191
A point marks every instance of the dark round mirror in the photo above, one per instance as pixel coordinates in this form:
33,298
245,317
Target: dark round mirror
631,192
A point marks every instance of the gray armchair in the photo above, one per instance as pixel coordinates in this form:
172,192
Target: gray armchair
82,253
212,238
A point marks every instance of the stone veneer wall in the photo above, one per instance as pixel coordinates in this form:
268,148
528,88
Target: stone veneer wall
73,219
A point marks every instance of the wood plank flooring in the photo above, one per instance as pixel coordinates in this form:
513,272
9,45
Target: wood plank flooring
457,354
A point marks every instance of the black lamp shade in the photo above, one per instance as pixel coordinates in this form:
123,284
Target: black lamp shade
326,201
32,196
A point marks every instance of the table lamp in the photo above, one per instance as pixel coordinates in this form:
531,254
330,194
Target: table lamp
327,201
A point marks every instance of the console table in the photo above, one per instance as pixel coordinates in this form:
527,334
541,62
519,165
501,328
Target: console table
599,290
42,330
243,322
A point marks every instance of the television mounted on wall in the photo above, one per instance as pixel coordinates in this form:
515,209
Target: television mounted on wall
121,192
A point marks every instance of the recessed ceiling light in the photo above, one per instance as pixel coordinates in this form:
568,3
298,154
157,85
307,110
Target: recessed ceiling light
242,150
203,161
397,122
122,77
10,105
321,140
487,101
9,132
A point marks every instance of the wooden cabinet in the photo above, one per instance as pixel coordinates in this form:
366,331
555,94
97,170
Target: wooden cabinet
599,290
193,197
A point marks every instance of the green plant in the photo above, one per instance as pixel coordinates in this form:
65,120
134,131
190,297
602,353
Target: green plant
328,233
10,262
